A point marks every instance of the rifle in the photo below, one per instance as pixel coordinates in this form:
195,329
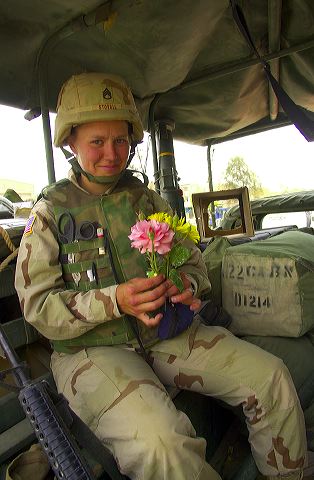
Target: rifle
51,419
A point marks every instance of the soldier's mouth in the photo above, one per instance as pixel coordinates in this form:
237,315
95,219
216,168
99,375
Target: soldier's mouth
109,167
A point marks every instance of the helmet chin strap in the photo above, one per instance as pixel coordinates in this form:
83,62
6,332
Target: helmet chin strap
92,178
131,154
101,179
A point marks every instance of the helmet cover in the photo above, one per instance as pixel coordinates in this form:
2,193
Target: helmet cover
94,97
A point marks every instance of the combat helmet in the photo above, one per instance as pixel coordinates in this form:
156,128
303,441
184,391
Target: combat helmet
92,97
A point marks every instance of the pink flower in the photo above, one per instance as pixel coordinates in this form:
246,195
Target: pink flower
145,232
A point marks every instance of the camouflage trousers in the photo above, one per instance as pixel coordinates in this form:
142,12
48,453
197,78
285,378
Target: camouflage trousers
125,403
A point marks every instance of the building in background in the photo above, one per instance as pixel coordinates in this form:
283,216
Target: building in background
25,190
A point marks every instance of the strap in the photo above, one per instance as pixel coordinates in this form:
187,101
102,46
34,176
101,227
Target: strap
66,153
81,246
131,320
11,246
82,266
299,116
145,177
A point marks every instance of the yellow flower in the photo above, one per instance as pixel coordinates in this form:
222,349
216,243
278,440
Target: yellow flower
187,230
178,225
194,235
161,217
176,221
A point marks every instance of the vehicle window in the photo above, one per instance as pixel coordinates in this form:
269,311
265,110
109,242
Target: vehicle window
23,165
25,171
5,211
299,219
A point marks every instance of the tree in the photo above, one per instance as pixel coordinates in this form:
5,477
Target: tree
238,174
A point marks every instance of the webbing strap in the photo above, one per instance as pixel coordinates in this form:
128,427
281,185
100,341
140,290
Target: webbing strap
10,246
131,320
299,116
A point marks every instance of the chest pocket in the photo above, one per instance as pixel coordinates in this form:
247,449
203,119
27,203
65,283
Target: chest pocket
86,265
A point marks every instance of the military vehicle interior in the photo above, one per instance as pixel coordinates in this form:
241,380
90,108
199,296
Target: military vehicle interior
201,72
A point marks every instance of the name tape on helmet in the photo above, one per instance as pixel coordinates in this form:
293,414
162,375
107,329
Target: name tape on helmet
107,107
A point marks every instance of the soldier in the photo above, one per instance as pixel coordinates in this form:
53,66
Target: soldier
80,289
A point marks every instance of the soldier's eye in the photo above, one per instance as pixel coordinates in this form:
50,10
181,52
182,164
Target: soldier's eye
97,141
121,141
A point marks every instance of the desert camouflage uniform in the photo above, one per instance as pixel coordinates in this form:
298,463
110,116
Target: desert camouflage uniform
125,402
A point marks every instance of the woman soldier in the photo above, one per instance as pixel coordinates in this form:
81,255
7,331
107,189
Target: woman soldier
90,297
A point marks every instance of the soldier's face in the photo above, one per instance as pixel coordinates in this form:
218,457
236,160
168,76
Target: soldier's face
101,148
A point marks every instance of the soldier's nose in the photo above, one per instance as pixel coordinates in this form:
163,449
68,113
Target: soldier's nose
110,151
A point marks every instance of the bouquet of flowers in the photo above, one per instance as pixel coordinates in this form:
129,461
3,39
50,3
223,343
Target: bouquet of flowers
160,236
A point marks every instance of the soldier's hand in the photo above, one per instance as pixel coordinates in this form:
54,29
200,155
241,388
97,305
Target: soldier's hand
139,296
186,296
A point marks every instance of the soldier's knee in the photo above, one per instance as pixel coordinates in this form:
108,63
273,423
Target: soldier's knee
278,384
164,434
177,452
166,430
162,448
270,368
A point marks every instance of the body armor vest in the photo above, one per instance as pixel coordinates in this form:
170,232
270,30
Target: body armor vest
115,213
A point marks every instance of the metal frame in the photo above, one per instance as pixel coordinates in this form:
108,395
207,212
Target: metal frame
100,14
202,204
97,15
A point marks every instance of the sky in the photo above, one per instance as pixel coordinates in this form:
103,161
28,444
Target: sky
282,159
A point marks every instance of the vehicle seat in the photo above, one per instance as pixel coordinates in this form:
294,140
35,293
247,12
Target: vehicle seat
297,353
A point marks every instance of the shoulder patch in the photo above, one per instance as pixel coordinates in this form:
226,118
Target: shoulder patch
29,226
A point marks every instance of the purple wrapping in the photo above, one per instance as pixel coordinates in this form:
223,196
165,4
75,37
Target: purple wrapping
176,318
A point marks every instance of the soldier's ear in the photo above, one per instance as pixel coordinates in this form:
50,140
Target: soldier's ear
71,144
71,140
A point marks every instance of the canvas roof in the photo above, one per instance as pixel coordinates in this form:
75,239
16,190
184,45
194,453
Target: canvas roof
188,56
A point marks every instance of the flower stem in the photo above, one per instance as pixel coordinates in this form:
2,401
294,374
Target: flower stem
153,263
167,265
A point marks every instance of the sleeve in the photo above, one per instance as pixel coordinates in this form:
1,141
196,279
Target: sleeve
53,310
194,268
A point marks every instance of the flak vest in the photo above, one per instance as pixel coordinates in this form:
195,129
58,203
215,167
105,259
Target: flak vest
115,213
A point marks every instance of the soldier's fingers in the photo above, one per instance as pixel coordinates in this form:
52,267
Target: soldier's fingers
150,321
185,297
143,284
149,306
132,300
150,296
185,280
173,290
195,305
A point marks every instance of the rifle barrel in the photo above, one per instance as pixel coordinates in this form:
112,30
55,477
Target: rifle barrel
20,377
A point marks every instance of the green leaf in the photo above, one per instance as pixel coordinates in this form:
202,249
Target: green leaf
141,216
176,279
163,268
179,255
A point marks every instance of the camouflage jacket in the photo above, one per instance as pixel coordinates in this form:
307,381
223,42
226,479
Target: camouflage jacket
49,300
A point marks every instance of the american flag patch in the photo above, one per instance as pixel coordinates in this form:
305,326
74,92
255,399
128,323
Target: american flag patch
29,226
